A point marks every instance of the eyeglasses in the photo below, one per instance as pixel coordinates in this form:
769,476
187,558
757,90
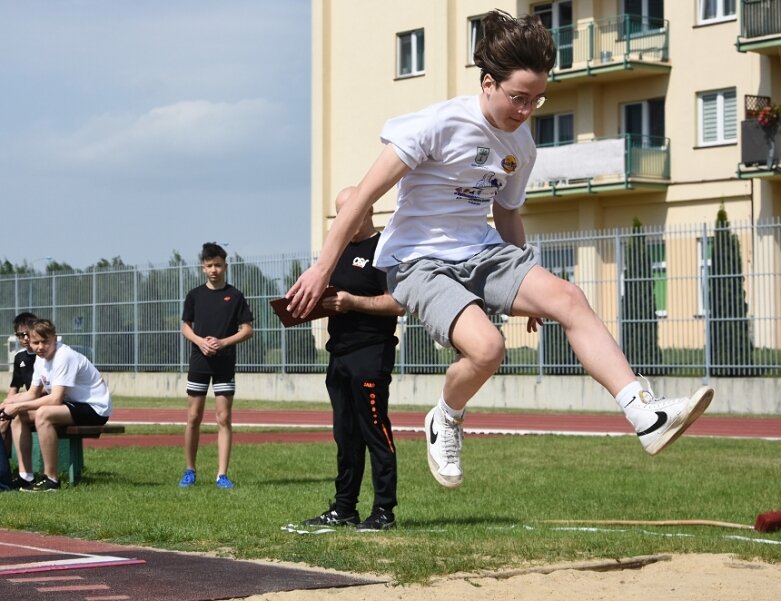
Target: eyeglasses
522,101
21,335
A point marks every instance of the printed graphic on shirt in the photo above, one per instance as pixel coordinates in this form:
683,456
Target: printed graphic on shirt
482,155
509,163
360,262
482,192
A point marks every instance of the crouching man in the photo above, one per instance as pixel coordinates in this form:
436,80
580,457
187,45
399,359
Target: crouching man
66,390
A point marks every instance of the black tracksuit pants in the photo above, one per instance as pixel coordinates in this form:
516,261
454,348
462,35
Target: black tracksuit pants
358,384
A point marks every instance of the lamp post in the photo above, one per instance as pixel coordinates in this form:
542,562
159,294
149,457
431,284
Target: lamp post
30,287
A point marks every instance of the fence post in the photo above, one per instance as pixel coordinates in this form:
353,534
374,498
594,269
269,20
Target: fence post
136,333
705,300
620,281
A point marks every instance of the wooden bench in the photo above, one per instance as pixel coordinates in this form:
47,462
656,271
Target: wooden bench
75,436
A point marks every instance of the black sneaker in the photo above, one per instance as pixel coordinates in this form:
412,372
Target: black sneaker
334,518
20,483
380,519
45,484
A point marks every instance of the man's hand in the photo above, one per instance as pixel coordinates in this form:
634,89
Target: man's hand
304,294
342,302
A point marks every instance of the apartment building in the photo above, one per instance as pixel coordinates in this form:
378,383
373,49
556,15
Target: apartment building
651,111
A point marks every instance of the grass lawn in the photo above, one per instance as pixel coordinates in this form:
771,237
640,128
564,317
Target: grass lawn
497,519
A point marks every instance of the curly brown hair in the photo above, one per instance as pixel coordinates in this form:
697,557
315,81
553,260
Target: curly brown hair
510,44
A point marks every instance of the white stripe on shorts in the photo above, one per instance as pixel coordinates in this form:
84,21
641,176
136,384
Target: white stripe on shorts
197,386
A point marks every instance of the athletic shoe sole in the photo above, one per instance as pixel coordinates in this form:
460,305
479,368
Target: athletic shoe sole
697,405
432,464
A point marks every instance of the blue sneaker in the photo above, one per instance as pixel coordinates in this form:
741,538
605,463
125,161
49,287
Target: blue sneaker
224,482
188,479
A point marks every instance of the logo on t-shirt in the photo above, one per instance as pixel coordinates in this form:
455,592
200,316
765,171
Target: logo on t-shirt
360,262
482,192
509,163
226,298
482,155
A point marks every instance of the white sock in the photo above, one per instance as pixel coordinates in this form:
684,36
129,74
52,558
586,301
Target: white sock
26,476
449,411
629,394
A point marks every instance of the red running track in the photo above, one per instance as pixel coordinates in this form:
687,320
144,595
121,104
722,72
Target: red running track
410,423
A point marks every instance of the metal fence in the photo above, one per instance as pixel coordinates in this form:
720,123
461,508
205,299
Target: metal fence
699,300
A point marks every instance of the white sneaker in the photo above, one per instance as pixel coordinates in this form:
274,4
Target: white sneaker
659,421
444,437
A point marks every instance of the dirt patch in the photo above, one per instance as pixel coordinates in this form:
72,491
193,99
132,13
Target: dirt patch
676,578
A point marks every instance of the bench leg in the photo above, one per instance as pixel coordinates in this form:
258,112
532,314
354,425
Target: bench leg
76,463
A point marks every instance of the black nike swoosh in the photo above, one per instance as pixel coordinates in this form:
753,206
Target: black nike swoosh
433,435
661,419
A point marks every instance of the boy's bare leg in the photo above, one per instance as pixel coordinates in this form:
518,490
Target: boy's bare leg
224,432
192,431
543,294
22,436
46,421
481,351
657,421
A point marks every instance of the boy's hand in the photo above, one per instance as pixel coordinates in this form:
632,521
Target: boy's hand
304,294
532,323
207,346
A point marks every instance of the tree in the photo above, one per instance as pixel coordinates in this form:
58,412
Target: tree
300,351
731,348
639,325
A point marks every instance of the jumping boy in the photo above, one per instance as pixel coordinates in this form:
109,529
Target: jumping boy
455,162
216,317
66,390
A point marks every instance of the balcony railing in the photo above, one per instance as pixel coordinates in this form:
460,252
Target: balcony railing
626,162
760,25
610,44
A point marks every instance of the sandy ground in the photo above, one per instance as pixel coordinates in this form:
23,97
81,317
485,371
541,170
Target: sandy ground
672,578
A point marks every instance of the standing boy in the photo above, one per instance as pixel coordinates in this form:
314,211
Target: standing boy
454,163
362,348
216,317
66,390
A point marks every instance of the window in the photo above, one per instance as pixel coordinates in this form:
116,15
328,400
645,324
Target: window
718,114
410,53
644,16
554,130
475,33
644,121
557,17
716,10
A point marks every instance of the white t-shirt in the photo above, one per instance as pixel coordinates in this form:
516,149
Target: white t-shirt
82,381
460,164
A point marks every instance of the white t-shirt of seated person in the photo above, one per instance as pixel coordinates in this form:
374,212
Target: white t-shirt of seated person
81,380
460,165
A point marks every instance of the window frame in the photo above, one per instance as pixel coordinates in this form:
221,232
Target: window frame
474,33
721,118
720,17
416,37
557,129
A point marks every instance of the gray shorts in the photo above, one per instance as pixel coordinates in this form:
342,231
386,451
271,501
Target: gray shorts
437,291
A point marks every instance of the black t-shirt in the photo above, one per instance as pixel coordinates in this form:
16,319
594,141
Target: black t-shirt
355,273
217,313
22,376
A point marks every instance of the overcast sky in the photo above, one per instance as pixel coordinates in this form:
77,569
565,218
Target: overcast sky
134,128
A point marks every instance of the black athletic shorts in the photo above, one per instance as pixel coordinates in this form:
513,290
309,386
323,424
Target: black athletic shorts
84,415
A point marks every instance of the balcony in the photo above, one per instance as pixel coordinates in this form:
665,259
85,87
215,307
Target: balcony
759,149
760,27
604,165
611,49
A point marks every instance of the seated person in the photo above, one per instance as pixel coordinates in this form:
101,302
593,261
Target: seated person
66,390
21,377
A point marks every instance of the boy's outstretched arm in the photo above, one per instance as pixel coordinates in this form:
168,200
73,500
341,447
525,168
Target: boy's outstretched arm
386,171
